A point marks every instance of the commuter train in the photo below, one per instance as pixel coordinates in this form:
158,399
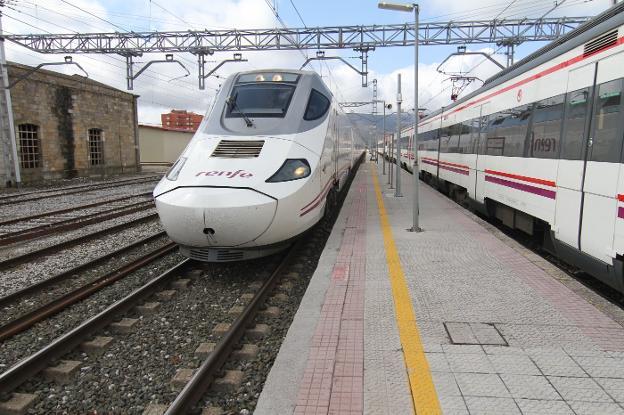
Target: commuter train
265,165
539,147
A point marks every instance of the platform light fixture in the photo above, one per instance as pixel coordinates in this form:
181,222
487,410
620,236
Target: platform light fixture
411,7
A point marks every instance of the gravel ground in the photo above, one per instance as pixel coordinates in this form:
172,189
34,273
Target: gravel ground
28,303
78,181
66,201
16,249
137,369
30,341
26,274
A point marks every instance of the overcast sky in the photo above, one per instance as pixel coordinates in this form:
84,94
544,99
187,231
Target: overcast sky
163,86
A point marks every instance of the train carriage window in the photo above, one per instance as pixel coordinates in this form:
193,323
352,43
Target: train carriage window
317,106
513,130
494,144
546,129
576,106
607,137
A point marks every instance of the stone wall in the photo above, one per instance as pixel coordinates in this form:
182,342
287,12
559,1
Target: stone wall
65,108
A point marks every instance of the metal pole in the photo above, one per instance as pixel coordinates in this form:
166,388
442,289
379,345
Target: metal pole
9,114
397,139
415,169
384,138
390,164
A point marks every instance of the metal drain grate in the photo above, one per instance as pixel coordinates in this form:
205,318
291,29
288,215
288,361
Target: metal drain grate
475,333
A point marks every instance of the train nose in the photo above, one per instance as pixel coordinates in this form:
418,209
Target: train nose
220,217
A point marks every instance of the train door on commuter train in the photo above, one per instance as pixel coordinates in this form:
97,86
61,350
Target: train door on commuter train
479,149
569,193
588,174
602,161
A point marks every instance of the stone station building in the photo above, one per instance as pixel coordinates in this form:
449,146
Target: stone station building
70,126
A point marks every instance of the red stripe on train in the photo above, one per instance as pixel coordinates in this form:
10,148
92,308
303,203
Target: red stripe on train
531,78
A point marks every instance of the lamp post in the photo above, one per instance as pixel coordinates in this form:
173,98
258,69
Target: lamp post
397,141
413,7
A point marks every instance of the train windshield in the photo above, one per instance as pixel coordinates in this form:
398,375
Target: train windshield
261,95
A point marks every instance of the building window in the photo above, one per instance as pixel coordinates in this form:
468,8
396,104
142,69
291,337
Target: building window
28,135
96,147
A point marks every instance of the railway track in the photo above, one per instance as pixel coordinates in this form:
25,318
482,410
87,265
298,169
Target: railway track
190,395
37,253
25,321
22,294
44,194
30,227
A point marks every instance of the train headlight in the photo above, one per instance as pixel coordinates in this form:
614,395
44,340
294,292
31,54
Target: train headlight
292,169
175,170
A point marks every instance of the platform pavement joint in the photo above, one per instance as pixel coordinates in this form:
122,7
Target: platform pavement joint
562,354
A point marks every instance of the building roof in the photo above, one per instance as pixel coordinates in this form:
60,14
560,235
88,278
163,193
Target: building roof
75,77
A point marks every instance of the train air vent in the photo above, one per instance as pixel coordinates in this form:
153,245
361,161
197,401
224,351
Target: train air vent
225,255
600,43
238,149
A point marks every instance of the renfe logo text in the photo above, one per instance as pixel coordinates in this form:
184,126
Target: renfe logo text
228,174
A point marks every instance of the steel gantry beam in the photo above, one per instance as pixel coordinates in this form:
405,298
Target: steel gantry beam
337,37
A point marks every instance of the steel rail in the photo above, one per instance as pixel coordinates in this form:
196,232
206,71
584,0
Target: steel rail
38,286
73,223
70,209
61,193
33,317
195,389
30,366
10,262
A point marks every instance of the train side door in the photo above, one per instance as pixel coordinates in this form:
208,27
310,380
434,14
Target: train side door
589,169
602,160
571,168
479,149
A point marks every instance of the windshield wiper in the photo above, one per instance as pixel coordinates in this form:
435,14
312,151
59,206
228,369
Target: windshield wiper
231,102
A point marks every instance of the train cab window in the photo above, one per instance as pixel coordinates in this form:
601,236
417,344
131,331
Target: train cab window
546,128
261,95
317,106
607,137
577,103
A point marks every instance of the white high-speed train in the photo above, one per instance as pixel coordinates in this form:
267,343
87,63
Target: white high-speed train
265,165
539,147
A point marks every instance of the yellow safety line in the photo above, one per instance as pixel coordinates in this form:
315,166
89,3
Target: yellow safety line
423,392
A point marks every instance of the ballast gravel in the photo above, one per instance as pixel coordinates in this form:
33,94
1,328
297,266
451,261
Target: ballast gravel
137,368
29,273
35,207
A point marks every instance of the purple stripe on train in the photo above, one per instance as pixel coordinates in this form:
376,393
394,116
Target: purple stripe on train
430,162
521,186
621,212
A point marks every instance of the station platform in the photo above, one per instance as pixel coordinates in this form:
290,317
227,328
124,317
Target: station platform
457,319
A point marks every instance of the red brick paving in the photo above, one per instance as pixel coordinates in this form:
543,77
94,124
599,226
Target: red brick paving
333,379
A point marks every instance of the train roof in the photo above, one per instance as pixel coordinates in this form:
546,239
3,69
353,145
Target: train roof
600,24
